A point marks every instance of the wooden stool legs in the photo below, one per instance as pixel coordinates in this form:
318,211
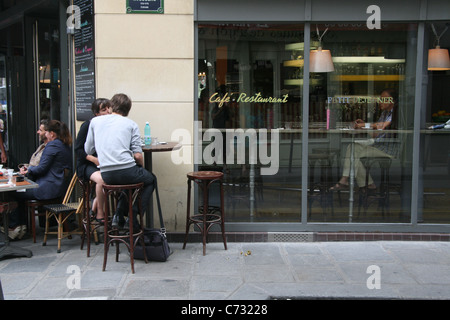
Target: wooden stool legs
128,237
209,215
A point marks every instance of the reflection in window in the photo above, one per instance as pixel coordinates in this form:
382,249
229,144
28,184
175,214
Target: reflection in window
249,82
370,66
435,146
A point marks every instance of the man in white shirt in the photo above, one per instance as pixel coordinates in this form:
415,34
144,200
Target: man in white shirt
117,141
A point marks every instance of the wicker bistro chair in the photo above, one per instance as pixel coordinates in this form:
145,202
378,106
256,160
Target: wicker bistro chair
63,211
34,210
34,206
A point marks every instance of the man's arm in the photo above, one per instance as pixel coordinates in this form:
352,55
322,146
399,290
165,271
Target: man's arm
89,145
139,158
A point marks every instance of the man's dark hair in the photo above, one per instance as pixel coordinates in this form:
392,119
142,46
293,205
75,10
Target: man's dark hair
121,104
98,104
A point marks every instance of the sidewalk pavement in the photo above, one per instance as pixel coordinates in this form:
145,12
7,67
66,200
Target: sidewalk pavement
246,271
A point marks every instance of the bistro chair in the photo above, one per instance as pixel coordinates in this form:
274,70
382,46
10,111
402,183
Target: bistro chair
62,212
35,207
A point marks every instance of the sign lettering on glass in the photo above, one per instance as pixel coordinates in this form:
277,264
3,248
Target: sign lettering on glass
355,99
145,6
243,97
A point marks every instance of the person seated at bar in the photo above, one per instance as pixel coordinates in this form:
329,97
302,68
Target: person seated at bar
117,141
87,165
382,145
49,175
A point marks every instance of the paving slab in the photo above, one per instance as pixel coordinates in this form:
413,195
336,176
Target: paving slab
246,271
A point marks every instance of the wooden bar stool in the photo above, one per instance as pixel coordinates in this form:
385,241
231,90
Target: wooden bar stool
129,237
89,229
209,215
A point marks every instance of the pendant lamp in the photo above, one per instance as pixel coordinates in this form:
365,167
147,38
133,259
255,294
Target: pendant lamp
320,60
438,59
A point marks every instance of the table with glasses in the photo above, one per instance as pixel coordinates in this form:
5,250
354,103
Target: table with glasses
9,186
148,163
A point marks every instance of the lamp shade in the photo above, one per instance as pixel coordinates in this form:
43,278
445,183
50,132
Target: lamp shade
320,61
438,59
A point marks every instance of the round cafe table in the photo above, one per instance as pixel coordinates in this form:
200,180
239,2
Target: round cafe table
148,163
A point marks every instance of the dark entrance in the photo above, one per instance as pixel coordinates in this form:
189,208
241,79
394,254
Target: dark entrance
33,60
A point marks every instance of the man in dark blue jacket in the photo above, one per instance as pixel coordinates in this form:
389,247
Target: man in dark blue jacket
49,175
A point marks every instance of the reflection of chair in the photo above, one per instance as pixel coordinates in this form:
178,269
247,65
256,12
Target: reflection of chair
381,194
334,155
62,212
237,187
320,189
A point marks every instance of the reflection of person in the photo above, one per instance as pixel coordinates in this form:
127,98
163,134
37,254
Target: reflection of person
117,141
87,165
49,175
382,145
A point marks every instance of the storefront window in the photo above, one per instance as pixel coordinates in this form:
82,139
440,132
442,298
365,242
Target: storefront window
360,124
249,92
250,99
434,186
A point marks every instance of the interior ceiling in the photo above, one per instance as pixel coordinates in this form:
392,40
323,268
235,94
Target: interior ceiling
11,18
45,7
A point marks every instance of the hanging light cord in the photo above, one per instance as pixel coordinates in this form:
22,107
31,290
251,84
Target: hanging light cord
435,33
320,36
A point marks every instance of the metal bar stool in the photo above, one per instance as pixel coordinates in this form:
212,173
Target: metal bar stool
209,215
130,237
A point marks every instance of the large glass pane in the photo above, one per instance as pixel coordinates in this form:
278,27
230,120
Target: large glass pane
360,123
49,70
435,136
250,82
3,102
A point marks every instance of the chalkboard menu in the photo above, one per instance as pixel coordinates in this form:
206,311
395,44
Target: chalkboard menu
85,61
145,6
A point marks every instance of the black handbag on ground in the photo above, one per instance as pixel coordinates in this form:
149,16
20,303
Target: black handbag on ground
156,245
